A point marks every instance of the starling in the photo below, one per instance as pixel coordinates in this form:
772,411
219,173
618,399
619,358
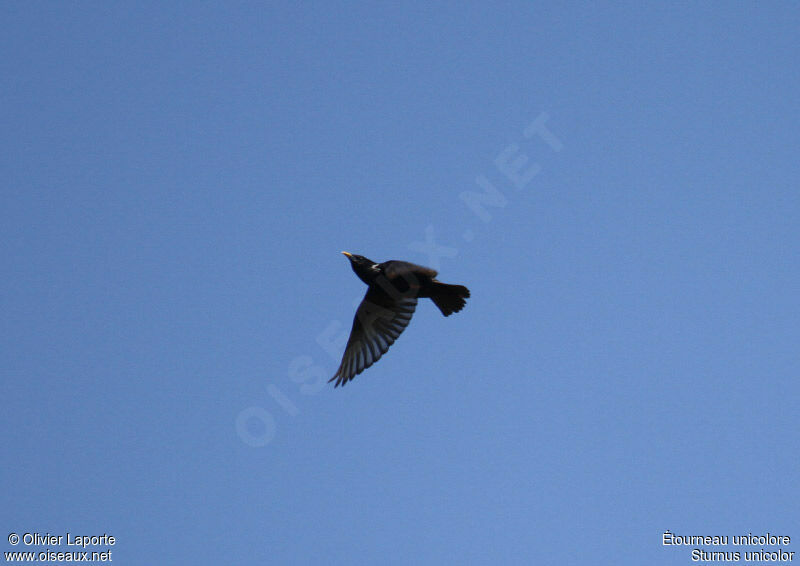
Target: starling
392,291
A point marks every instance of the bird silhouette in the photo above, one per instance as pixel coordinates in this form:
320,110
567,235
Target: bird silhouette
393,288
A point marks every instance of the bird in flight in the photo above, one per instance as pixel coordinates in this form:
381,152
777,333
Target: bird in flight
393,288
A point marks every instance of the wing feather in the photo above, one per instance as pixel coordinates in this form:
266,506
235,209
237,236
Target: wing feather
394,268
379,321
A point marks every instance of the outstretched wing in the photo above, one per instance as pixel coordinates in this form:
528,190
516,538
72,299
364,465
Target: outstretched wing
394,269
379,320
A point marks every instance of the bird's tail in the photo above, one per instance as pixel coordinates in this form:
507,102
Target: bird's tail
449,298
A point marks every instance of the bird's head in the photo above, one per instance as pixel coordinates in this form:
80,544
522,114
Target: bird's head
364,267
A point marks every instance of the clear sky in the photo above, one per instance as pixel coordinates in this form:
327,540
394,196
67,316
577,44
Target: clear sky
178,180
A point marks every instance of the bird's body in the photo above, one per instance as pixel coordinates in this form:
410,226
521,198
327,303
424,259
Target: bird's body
392,293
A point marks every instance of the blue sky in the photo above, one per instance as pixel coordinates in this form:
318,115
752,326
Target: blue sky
178,181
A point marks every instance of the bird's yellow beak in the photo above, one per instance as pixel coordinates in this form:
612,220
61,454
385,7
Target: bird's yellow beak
348,254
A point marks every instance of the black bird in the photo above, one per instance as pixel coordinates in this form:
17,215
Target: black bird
393,289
